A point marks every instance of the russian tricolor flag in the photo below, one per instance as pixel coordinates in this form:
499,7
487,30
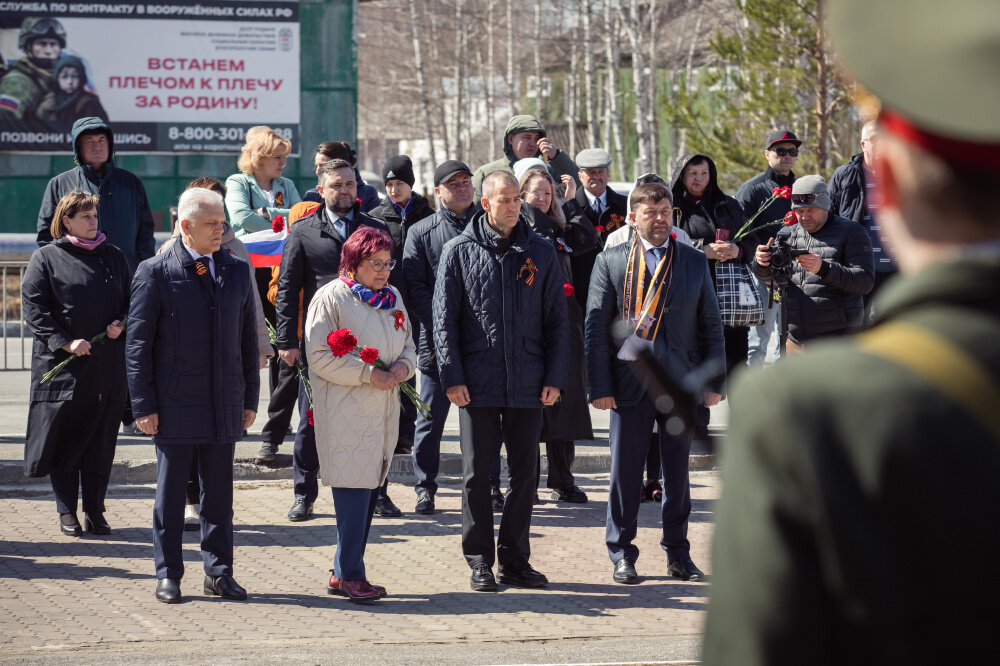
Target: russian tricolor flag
265,247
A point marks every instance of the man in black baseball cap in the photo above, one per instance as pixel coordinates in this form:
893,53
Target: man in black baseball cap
444,171
781,149
862,529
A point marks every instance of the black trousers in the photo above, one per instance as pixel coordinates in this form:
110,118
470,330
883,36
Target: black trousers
521,428
560,454
284,380
67,485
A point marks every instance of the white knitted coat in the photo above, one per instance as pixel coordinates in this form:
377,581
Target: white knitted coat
356,423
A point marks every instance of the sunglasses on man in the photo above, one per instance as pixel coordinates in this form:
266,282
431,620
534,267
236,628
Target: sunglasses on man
794,152
803,199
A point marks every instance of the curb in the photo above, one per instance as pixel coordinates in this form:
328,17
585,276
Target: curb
128,472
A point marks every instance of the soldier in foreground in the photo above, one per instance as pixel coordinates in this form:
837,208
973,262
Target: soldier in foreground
858,517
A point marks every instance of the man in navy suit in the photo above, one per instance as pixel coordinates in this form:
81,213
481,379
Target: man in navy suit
192,365
663,290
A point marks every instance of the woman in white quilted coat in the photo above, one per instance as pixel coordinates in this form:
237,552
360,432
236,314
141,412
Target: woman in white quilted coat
356,405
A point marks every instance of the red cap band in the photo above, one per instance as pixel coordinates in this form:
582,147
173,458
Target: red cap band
954,151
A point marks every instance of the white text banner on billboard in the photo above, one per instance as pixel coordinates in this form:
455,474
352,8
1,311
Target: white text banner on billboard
168,77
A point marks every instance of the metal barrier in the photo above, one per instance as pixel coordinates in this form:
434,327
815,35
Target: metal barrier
16,335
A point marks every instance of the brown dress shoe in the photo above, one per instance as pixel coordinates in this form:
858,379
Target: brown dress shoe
334,587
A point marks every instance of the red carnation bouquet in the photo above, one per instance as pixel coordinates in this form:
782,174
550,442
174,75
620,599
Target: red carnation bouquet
342,342
748,228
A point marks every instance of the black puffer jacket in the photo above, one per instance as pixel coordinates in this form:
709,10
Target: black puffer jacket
399,229
421,257
847,189
494,332
716,210
830,301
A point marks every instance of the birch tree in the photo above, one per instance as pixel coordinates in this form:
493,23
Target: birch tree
421,83
588,75
614,112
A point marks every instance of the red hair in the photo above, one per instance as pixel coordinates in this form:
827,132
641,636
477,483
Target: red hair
362,244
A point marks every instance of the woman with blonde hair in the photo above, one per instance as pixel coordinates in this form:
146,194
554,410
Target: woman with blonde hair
74,288
569,231
259,192
256,196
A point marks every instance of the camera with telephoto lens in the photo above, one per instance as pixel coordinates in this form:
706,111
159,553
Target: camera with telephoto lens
782,256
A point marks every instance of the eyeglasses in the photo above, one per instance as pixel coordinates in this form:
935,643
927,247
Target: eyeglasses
380,266
794,152
803,199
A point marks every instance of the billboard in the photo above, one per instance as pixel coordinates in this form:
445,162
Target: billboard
174,77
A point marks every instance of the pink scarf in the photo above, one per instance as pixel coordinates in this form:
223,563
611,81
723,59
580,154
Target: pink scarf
87,244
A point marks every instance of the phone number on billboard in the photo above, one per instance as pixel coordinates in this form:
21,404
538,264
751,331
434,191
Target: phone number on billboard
191,133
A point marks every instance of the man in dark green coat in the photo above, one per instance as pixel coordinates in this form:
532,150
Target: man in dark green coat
858,519
525,137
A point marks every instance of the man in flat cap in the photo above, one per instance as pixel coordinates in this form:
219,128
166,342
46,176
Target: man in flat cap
781,150
831,271
858,518
604,208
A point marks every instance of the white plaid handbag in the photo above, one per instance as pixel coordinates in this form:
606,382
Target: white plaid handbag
739,302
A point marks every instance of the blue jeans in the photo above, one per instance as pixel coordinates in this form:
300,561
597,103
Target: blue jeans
760,336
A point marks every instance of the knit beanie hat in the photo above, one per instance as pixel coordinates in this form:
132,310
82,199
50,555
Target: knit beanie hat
398,167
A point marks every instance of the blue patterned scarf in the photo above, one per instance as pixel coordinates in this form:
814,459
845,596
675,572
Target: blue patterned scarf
383,299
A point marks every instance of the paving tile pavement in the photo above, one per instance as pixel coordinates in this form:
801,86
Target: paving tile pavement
92,594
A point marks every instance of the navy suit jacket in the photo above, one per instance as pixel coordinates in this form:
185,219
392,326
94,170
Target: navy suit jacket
191,352
690,335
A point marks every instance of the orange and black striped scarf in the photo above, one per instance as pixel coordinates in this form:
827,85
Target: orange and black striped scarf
644,299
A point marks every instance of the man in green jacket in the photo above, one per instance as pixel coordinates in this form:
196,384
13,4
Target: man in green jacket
860,504
525,137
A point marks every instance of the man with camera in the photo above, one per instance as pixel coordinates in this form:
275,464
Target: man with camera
823,264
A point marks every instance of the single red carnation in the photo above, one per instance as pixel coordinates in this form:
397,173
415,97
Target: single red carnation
568,288
369,354
776,191
785,192
599,228
790,218
277,224
309,415
673,235
341,342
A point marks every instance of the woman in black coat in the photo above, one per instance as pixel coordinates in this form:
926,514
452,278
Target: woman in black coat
569,231
702,209
74,288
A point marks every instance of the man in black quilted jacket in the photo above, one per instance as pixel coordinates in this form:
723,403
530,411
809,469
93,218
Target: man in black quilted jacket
834,271
501,334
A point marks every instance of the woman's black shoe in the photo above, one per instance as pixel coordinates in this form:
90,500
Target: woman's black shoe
69,525
96,524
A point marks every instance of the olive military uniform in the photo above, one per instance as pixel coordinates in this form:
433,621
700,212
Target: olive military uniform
24,86
861,487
